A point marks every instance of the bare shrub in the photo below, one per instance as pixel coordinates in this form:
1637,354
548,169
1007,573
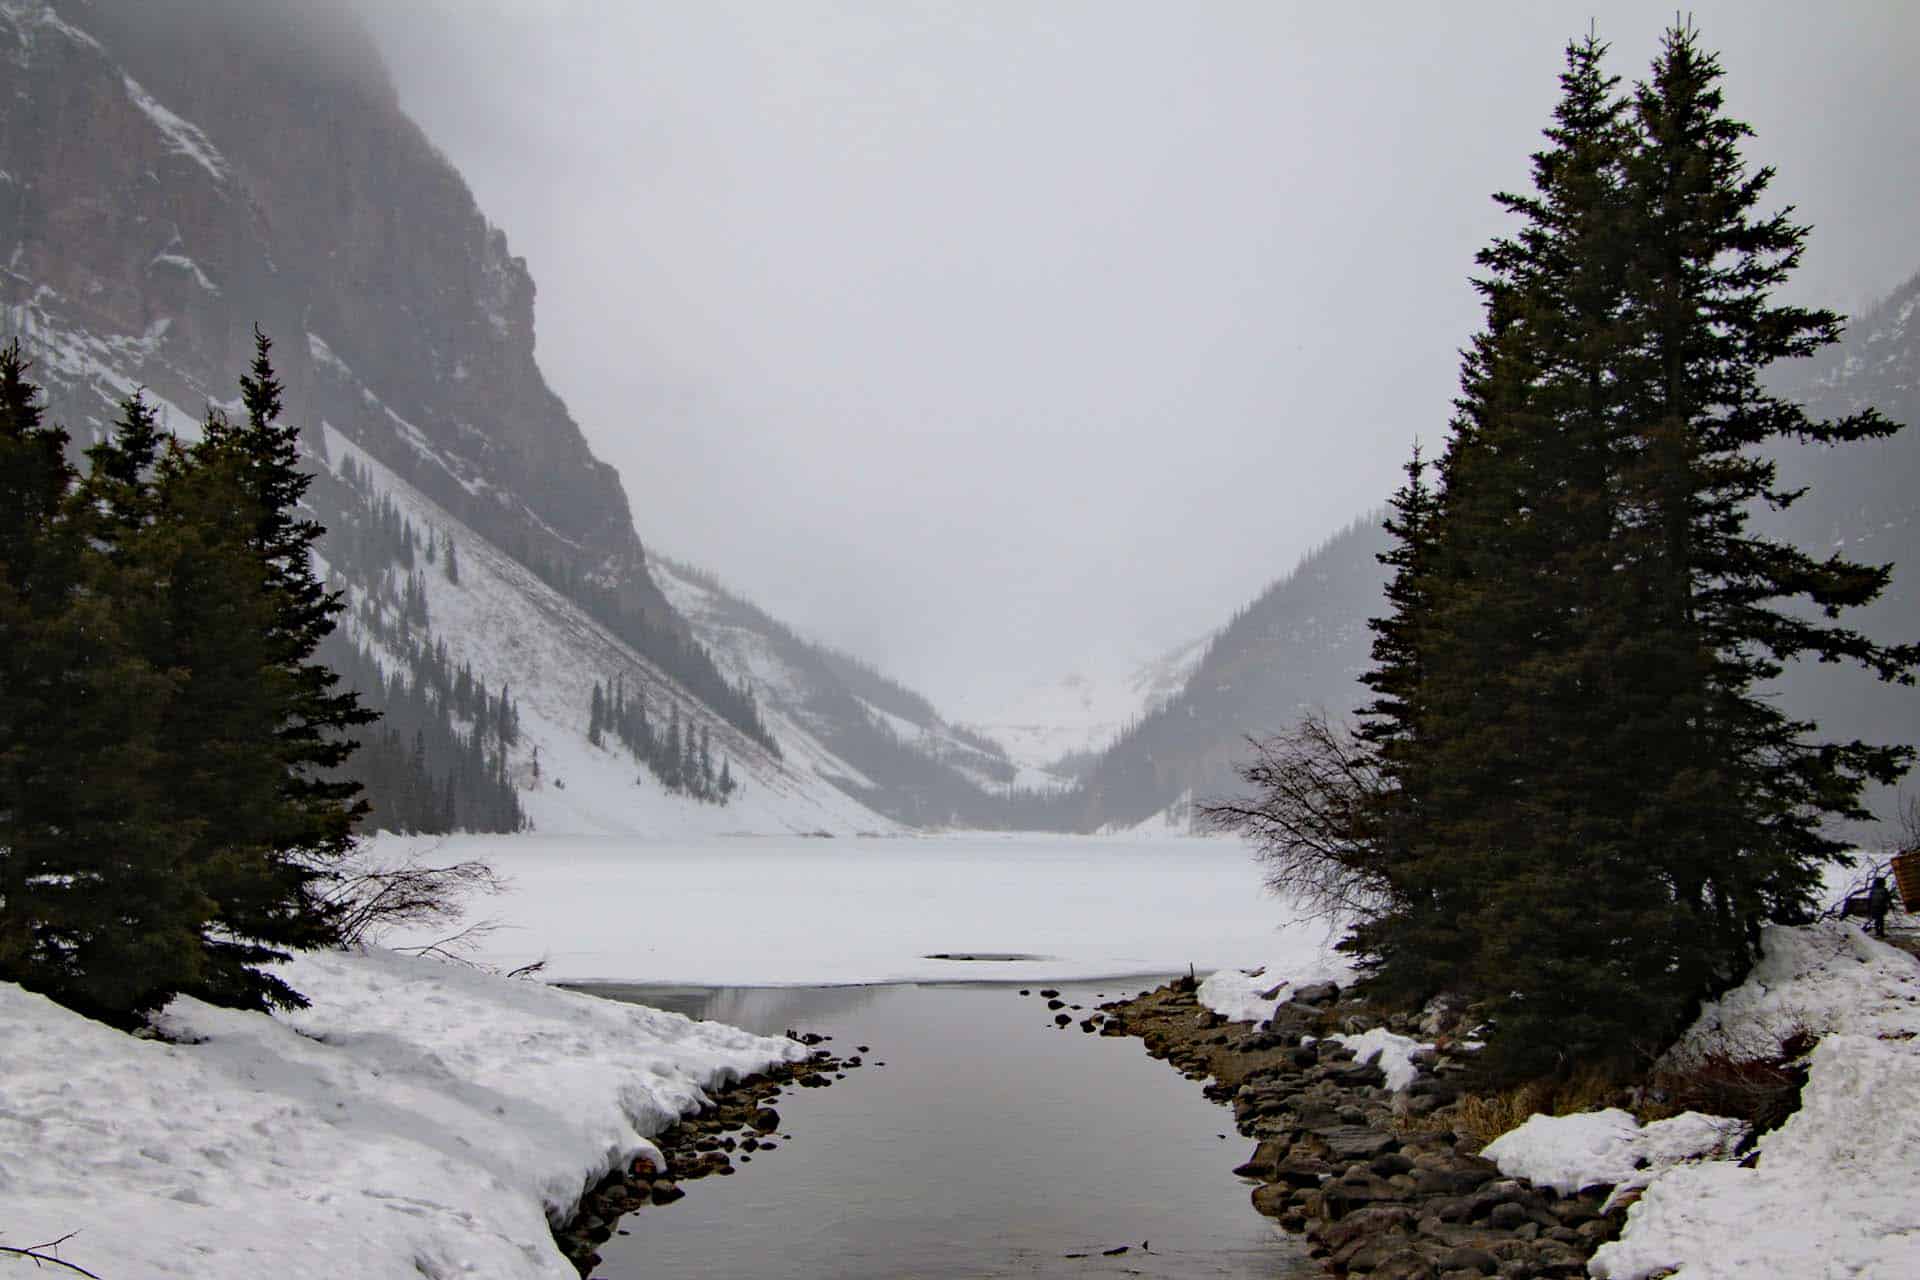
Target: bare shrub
1312,787
1757,1078
414,890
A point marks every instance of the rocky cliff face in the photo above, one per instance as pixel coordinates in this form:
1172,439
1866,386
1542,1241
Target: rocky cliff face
174,172
178,171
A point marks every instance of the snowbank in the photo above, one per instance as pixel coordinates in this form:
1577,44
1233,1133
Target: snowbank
1609,1148
419,1120
1834,1190
1825,977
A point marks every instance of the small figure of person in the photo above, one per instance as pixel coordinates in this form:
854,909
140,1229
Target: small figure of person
1879,901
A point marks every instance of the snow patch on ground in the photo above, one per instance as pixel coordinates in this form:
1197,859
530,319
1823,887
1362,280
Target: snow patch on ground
1825,977
1393,1052
420,1119
1833,1191
1833,1194
180,262
1304,956
1609,1148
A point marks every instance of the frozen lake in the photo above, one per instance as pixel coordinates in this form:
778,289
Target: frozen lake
767,911
993,1143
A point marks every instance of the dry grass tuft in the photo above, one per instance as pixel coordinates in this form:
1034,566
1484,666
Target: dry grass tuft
1482,1117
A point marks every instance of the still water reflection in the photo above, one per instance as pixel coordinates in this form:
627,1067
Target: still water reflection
991,1144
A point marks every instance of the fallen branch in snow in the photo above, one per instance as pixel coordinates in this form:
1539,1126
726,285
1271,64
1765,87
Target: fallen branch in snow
40,1257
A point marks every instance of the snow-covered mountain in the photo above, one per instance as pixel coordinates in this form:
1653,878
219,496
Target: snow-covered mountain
516,632
172,174
880,742
1053,728
1302,644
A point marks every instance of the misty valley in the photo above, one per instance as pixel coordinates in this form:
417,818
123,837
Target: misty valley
1065,654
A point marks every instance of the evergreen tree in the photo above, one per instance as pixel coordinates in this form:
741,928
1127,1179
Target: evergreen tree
1736,790
1609,811
596,715
261,730
453,562
93,910
167,824
1566,797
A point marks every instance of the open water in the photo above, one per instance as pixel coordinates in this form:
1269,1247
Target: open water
990,1144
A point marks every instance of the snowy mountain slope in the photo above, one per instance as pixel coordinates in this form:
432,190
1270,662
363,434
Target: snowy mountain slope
1080,713
878,741
151,214
1301,644
516,631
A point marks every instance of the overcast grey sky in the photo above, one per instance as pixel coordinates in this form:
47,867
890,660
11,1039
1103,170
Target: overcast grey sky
991,340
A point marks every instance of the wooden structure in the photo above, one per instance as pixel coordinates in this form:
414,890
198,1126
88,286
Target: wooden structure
1906,875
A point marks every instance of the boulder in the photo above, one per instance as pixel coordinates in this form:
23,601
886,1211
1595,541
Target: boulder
1468,1258
1405,1264
1348,1142
1271,1199
1261,1164
1374,1220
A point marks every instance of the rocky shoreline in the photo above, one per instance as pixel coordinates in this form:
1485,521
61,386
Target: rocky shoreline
1375,1178
701,1145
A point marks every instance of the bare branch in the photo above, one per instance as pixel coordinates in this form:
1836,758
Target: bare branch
375,896
1308,818
454,946
41,1258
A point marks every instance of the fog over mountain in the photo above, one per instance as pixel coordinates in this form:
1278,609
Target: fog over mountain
1030,339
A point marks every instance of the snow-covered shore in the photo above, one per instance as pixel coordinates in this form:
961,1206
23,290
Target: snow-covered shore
1834,1192
421,1119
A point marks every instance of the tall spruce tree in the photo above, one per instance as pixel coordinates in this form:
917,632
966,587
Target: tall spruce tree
1734,791
287,817
1621,806
1570,797
1488,668
92,908
171,805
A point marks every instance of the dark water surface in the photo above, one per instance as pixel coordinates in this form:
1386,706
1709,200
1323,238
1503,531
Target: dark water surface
991,1144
